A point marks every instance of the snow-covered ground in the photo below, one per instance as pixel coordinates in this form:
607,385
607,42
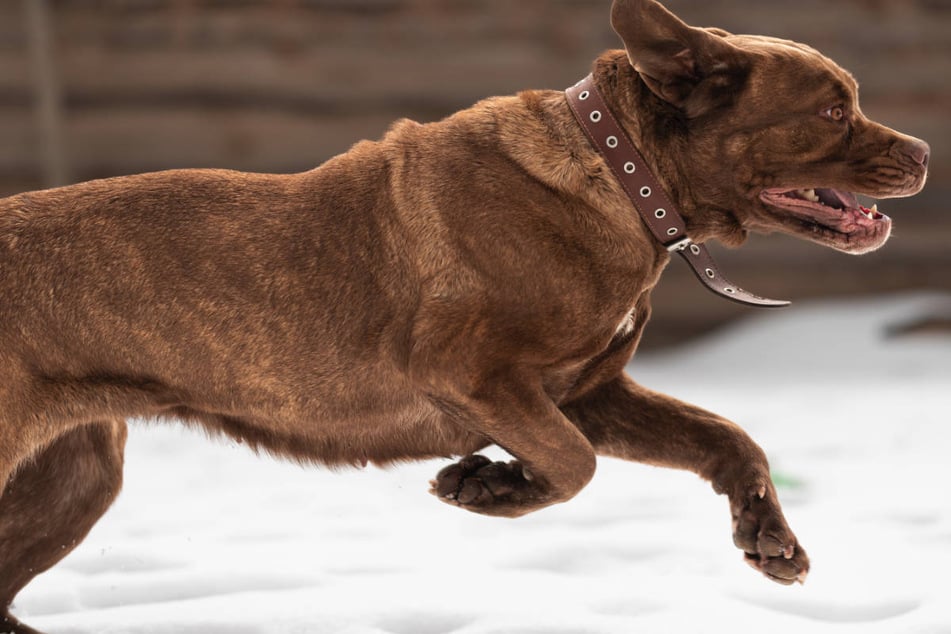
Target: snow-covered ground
207,538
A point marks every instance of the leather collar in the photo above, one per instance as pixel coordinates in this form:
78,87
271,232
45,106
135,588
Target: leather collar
649,198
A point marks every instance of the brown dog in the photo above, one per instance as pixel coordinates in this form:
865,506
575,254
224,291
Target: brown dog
480,280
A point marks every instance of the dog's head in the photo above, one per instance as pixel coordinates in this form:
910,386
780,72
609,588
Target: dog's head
768,134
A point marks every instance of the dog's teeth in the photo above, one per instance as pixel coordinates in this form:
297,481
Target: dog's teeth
808,194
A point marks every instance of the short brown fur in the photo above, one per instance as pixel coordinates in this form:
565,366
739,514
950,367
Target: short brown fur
479,280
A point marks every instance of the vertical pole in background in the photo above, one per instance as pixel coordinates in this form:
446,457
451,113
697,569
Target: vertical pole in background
47,97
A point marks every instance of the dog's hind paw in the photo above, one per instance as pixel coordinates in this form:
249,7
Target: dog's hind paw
478,484
761,532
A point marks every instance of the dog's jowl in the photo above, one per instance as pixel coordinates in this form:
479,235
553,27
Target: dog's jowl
480,280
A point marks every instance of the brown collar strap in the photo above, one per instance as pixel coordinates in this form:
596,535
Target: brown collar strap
648,197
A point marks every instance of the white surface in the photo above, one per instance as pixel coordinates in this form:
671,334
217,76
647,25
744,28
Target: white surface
207,538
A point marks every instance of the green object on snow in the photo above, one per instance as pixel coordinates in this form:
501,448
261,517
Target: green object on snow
786,481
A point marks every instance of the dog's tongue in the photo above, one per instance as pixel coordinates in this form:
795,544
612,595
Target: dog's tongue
837,198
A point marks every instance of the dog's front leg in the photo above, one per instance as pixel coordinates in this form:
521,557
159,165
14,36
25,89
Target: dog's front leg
553,458
625,420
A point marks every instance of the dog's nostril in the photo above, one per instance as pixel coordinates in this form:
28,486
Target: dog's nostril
918,151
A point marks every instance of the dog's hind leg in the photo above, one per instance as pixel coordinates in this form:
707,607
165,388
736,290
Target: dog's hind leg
624,420
52,501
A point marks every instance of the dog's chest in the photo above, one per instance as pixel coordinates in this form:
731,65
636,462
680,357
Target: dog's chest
625,328
603,361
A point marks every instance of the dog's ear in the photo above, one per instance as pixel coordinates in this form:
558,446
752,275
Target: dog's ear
691,68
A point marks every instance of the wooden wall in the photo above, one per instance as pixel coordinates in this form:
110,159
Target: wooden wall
283,85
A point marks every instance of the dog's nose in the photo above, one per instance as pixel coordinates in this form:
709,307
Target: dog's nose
917,150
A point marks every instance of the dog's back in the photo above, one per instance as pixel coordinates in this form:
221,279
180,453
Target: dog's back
278,309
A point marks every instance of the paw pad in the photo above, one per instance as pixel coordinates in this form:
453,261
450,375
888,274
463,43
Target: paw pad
476,481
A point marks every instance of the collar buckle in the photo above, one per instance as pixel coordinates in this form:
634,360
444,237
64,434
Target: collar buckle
679,245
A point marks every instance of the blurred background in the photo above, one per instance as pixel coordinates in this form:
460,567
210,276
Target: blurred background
97,88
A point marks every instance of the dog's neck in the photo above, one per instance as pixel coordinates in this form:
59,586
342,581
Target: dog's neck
662,134
647,195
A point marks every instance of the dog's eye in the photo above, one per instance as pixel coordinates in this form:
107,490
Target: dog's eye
836,113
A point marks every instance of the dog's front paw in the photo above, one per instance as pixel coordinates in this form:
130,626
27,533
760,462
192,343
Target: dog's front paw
761,532
478,484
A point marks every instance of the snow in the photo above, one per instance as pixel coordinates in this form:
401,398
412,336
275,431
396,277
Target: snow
208,538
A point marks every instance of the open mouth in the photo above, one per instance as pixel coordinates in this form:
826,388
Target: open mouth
831,216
